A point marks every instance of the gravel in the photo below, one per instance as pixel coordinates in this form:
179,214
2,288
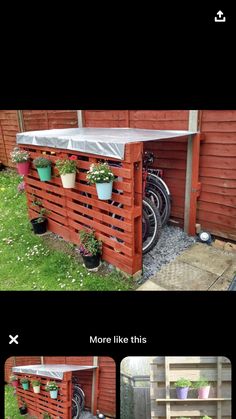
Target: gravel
87,415
172,242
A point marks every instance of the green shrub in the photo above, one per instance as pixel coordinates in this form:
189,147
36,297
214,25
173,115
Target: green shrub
183,382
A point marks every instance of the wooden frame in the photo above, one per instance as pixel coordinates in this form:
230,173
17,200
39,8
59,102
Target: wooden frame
166,370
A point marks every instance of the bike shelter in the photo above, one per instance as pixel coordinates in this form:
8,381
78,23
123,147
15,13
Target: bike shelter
119,225
64,376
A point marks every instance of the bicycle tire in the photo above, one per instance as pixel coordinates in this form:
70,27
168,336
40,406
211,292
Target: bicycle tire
164,200
150,208
75,409
145,226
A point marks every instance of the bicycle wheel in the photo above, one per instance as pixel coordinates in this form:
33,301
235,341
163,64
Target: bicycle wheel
145,226
157,193
75,409
155,225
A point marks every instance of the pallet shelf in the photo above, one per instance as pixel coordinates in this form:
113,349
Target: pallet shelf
165,371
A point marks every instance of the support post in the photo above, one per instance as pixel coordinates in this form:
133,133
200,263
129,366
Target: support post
80,119
94,403
192,172
20,119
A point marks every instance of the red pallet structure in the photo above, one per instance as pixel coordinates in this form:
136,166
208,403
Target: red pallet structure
118,225
74,209
41,403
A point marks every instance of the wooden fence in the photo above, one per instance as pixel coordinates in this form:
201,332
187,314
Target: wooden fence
166,370
135,397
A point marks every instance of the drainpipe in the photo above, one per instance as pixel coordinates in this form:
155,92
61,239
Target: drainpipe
94,384
80,117
192,126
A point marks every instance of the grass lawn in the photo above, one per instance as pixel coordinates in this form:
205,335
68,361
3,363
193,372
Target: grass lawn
11,407
28,262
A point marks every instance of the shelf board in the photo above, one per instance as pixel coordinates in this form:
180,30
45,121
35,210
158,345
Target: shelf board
194,400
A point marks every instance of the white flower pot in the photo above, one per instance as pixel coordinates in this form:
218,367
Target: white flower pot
36,389
68,180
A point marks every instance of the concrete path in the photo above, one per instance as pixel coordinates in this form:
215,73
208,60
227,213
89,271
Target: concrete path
199,268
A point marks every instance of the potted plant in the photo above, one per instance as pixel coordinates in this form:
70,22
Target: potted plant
25,383
21,158
67,169
36,386
90,249
39,223
46,416
23,409
182,386
52,387
43,167
101,175
14,380
203,388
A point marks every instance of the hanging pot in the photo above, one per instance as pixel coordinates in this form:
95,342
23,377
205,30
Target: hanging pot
36,389
53,394
23,168
44,173
15,383
39,227
68,180
104,190
25,386
92,262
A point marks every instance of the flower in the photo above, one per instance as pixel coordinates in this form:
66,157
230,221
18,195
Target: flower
19,156
21,187
100,173
73,157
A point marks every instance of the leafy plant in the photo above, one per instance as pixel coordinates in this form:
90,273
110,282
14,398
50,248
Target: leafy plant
200,383
89,245
183,382
66,166
24,380
42,211
41,162
13,378
19,156
46,416
206,417
51,386
100,173
35,383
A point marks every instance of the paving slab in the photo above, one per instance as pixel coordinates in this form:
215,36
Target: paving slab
179,276
150,286
222,284
207,258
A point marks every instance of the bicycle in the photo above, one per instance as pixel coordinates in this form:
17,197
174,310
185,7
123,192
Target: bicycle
78,399
156,189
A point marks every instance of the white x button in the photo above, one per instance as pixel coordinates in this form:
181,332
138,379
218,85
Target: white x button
13,339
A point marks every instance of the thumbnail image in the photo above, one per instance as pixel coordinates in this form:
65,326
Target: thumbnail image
182,387
44,387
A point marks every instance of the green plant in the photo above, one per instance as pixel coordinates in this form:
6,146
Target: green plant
41,162
100,173
89,245
19,156
66,166
46,416
201,383
183,382
51,386
42,211
13,378
35,383
24,380
206,417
